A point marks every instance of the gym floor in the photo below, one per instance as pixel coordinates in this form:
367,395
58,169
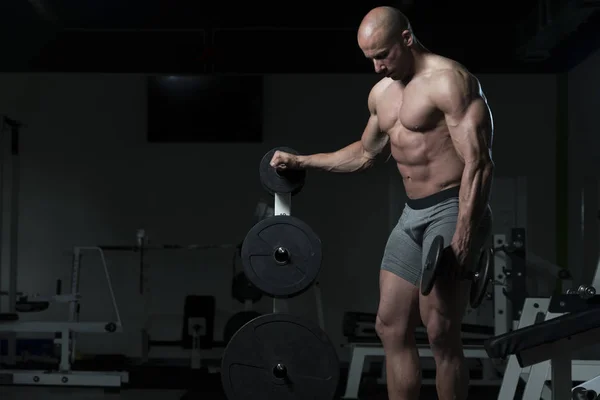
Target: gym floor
32,393
207,388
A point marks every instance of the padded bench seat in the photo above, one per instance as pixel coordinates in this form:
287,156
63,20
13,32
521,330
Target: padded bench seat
5,317
535,343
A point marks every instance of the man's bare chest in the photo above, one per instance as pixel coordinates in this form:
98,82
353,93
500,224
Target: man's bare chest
408,108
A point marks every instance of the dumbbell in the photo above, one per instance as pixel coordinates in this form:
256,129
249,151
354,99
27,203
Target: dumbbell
281,182
584,291
479,278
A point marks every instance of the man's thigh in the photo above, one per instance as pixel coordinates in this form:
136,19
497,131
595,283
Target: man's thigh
399,278
402,255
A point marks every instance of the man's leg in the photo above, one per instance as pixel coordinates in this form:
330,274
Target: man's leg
442,313
443,310
398,312
397,319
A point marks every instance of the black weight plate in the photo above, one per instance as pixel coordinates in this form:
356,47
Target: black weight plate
432,262
263,270
307,357
236,321
579,394
242,289
288,181
482,277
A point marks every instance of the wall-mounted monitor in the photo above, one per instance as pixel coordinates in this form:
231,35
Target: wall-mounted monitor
205,108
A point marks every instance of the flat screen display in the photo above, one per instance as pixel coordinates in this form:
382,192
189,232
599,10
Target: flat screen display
205,108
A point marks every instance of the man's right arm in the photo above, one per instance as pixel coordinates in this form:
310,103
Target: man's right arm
357,156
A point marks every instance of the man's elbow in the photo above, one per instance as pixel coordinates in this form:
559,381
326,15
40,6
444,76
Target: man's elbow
489,166
484,164
368,159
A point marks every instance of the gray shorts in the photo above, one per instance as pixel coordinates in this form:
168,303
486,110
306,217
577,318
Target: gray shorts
421,221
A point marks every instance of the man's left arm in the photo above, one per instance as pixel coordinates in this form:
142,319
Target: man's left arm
470,125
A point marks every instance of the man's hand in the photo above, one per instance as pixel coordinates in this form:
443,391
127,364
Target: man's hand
282,161
462,254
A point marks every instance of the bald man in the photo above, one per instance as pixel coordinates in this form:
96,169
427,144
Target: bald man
434,116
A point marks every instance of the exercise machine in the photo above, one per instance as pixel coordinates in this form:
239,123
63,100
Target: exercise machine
539,352
12,325
66,333
199,311
9,222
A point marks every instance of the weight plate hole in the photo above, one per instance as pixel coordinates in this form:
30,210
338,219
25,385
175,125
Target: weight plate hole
280,371
281,255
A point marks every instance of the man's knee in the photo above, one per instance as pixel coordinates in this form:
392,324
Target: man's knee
443,333
394,332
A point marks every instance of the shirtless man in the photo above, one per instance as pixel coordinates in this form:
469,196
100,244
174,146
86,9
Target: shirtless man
434,115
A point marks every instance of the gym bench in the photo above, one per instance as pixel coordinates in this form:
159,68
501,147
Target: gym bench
541,351
473,349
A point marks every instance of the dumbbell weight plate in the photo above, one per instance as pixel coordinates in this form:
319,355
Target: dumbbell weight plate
279,356
581,394
289,181
431,269
277,278
236,321
242,289
482,278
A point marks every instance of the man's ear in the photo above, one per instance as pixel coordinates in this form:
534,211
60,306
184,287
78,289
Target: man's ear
407,37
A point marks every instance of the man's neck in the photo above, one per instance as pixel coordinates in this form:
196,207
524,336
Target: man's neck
419,64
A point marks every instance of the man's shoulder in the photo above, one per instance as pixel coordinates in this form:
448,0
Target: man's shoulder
453,79
381,85
446,70
377,89
452,85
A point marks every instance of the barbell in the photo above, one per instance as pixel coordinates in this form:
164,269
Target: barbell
439,262
278,355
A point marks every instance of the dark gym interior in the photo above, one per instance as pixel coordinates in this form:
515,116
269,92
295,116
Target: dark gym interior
137,199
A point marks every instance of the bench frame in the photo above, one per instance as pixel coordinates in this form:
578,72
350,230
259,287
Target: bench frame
555,370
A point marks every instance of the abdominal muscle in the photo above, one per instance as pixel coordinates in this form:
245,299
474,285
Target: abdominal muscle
427,161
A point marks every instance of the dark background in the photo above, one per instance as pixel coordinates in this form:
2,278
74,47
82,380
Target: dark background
76,74
166,36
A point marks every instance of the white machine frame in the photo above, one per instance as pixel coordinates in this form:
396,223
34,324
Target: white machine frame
593,384
557,368
65,376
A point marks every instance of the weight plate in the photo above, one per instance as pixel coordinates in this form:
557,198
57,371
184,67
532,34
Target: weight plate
482,277
432,262
579,394
242,289
236,321
288,181
279,357
281,256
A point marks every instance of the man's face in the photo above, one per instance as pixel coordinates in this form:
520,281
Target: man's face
390,57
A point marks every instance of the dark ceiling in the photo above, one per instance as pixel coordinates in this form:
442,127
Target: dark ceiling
173,36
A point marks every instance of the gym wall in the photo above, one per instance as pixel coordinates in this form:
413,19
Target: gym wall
89,177
584,164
